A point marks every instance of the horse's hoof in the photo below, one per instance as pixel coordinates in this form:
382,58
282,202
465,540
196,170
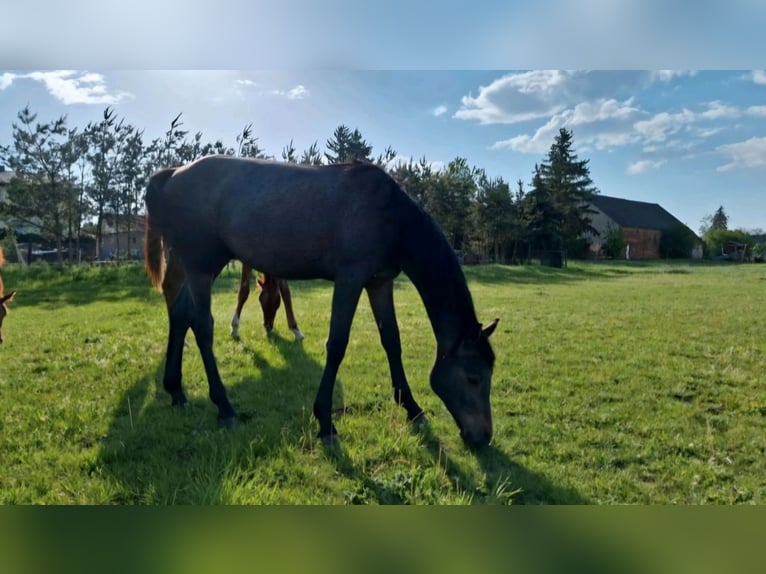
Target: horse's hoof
227,422
298,335
420,422
179,400
331,441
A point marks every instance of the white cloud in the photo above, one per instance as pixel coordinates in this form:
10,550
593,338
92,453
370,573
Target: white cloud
717,110
759,77
6,79
516,98
439,110
668,75
758,111
297,93
72,87
747,154
601,124
644,165
246,83
663,124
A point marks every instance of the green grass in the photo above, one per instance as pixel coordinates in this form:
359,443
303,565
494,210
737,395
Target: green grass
614,383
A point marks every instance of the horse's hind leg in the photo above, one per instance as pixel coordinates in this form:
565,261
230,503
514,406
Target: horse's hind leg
344,301
200,286
284,289
381,297
242,295
179,316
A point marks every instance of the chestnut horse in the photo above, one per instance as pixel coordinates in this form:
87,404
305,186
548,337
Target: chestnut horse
3,297
350,224
273,291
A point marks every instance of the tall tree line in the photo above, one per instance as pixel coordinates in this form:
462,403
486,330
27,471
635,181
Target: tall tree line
72,180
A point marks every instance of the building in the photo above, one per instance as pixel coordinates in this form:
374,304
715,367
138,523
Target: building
641,224
122,241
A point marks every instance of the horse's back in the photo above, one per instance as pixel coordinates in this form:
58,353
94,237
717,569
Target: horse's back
290,220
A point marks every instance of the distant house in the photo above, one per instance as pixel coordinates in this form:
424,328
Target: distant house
640,223
122,241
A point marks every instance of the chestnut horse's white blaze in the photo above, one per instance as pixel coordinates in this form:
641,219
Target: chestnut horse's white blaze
350,224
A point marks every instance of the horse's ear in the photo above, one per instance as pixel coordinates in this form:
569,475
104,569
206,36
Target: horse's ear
489,329
8,297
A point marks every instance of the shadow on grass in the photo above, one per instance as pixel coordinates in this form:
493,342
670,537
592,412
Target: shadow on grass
158,454
492,274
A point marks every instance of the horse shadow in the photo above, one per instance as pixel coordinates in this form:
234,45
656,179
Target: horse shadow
158,454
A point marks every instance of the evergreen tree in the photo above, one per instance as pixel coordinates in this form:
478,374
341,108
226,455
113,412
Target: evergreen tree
346,145
40,194
571,189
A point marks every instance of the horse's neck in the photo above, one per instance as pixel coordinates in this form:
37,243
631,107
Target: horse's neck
433,268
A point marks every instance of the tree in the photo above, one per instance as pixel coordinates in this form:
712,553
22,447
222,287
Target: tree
247,144
288,153
541,215
718,220
132,178
107,139
40,192
346,145
493,214
311,156
448,198
568,180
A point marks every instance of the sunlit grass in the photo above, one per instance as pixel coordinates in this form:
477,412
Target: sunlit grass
614,383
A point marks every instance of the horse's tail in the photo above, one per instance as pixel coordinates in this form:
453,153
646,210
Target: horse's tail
154,250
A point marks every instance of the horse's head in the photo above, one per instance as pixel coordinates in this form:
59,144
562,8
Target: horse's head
270,300
462,380
4,310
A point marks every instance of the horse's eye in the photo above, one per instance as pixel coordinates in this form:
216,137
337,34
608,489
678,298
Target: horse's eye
473,380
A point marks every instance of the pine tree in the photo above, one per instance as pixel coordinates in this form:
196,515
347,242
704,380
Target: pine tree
571,189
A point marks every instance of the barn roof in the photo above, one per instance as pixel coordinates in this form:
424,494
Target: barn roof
639,214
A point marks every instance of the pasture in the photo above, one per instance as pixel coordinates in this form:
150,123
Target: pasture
623,382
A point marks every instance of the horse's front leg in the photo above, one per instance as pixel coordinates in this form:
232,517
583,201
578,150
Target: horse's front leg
381,297
284,290
242,295
344,301
202,324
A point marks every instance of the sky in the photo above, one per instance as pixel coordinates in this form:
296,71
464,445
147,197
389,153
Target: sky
689,140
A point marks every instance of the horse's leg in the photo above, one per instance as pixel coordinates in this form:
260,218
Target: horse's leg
242,295
344,301
200,286
179,308
381,297
179,315
284,289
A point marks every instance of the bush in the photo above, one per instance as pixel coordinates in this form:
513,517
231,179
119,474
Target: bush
614,244
677,243
715,238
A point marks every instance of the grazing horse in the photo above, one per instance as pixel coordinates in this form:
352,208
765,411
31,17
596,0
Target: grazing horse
273,290
3,297
351,224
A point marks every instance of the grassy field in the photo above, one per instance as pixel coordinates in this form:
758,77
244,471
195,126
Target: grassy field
614,383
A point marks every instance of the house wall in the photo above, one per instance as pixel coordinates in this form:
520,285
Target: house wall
644,243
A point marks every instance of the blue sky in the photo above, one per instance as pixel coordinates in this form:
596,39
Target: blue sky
690,141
